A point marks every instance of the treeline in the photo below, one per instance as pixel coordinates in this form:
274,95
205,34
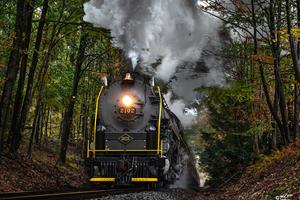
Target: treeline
51,64
258,111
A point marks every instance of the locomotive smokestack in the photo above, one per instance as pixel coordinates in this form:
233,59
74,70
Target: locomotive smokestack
134,59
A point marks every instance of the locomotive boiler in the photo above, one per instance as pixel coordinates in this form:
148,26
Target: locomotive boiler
136,138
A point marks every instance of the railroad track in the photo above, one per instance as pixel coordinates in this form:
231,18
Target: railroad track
86,194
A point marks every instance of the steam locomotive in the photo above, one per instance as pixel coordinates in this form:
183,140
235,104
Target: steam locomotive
136,138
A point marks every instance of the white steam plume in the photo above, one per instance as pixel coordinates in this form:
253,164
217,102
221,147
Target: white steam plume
168,32
174,31
186,116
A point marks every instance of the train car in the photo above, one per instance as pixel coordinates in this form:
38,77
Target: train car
136,138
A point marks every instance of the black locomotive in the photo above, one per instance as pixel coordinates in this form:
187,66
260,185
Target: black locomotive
136,138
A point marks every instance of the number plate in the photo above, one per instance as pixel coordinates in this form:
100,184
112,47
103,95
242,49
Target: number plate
127,111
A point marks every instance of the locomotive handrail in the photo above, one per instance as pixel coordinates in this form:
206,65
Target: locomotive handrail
159,146
95,121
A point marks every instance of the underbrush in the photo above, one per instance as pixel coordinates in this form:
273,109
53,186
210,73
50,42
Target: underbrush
266,161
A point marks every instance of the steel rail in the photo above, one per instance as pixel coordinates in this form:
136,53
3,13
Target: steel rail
68,195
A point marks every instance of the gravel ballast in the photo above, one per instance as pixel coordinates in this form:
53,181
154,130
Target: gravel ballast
167,194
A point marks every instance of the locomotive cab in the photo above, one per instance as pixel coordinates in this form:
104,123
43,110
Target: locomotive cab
134,136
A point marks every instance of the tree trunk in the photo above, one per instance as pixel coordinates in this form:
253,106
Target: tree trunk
84,131
296,112
46,125
292,40
274,138
42,120
19,93
12,70
256,146
79,126
274,134
276,49
22,119
296,87
39,123
298,24
269,102
271,107
68,116
55,32
50,123
34,130
282,104
38,106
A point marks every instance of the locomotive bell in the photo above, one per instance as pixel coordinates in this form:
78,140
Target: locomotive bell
128,78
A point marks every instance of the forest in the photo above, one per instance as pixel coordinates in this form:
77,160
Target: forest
52,63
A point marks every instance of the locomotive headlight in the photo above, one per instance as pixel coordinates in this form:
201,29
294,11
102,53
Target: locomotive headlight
127,101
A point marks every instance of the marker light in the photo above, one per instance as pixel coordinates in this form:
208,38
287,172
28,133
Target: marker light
127,101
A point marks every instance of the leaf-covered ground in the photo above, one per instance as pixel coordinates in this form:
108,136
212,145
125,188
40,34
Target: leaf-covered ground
276,175
39,173
273,175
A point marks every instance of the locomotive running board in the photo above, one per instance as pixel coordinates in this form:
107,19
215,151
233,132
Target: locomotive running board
144,179
96,179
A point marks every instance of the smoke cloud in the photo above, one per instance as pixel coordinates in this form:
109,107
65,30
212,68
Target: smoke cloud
161,35
186,116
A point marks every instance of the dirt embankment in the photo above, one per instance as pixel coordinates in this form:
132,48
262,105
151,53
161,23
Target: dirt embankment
276,176
39,173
